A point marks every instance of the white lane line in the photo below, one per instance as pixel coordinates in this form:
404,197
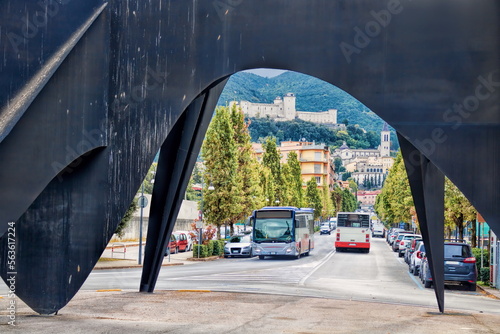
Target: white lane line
326,258
416,281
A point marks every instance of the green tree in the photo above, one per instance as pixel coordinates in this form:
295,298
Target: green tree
326,199
267,185
336,195
126,218
149,179
349,203
313,198
220,156
271,159
458,209
294,181
395,203
249,195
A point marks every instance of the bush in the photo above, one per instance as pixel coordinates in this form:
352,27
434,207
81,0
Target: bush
484,275
221,247
218,250
203,249
210,247
476,252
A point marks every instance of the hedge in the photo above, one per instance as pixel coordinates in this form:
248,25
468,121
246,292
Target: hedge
203,249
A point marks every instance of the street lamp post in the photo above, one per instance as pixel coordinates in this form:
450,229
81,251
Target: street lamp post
200,224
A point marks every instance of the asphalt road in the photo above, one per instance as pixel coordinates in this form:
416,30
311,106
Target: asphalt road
326,292
380,276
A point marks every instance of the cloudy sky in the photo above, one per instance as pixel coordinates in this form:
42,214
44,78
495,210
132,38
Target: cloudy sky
266,72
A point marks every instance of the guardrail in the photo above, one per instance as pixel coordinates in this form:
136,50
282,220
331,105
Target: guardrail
119,246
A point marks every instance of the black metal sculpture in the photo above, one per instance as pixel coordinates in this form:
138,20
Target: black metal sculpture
90,90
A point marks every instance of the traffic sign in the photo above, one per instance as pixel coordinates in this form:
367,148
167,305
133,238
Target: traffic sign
143,201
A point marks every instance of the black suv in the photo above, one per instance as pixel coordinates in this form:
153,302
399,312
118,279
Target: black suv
459,266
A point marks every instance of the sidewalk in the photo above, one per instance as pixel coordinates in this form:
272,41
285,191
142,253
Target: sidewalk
127,256
187,312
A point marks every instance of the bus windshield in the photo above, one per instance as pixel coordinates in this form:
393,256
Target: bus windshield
273,229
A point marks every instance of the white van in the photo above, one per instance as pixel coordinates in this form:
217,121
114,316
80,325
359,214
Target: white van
378,230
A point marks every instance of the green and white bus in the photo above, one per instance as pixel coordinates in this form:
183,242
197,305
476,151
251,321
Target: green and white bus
282,231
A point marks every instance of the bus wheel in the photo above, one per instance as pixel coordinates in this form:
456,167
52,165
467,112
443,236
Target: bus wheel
308,250
261,257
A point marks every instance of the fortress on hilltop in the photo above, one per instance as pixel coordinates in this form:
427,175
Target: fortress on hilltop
283,109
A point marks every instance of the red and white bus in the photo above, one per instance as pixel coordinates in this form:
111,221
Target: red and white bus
353,231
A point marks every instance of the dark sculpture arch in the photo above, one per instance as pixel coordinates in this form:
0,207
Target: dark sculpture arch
131,77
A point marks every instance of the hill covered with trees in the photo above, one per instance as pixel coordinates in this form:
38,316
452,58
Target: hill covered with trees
298,130
312,95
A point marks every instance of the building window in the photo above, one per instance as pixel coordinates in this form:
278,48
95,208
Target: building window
318,180
317,168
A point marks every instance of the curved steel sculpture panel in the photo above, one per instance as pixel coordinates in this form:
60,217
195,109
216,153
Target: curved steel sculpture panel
92,89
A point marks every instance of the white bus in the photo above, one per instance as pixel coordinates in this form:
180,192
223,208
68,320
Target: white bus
279,231
353,231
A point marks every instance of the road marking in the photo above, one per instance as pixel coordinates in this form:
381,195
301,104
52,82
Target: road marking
326,258
108,290
419,285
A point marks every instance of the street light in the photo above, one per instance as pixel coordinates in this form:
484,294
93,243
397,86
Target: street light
200,226
143,202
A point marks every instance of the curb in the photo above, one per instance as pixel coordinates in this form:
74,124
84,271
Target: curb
203,259
487,293
135,266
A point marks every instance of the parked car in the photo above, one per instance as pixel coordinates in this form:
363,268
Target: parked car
189,239
404,242
239,245
397,239
182,241
392,235
410,249
172,246
416,258
459,266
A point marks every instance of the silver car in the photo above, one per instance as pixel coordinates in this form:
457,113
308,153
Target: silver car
239,245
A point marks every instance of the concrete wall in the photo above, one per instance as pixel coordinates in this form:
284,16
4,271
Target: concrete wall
187,215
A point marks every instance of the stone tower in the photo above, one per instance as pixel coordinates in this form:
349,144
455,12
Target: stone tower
289,106
385,141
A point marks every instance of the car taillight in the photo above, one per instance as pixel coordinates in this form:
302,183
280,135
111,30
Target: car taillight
368,238
401,243
470,260
338,236
419,254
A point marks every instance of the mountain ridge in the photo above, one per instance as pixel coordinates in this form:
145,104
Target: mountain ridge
312,95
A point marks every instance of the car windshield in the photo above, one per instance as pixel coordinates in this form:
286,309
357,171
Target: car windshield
456,251
240,238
